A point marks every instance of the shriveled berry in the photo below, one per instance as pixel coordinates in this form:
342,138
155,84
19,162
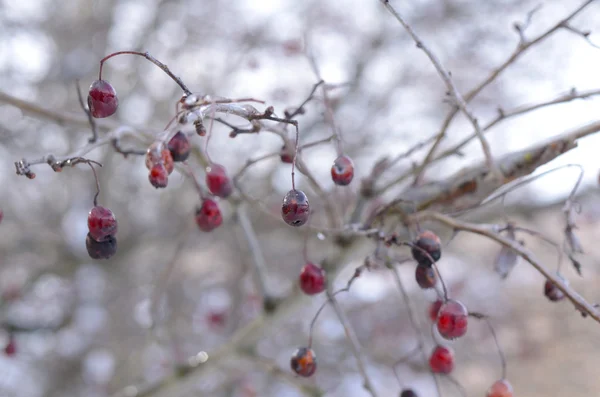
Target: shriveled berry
552,292
286,156
427,242
158,176
408,393
102,99
179,146
304,362
217,181
452,320
208,216
425,276
500,388
158,153
342,170
101,249
441,360
312,279
434,309
295,208
101,223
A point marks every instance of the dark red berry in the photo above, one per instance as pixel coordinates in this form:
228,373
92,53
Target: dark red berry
434,309
11,347
179,146
342,170
101,249
452,320
304,362
208,216
552,292
408,393
158,176
500,388
101,223
427,243
441,360
312,279
102,99
217,181
295,208
286,156
425,276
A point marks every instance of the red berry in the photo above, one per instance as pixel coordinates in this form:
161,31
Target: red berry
101,223
286,156
452,320
11,347
312,279
552,292
441,360
304,362
434,309
500,388
427,242
425,276
408,393
101,249
157,153
342,170
208,216
217,181
102,99
158,176
167,160
295,208
179,146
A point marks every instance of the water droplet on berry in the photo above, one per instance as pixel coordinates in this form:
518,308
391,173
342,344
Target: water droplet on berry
295,208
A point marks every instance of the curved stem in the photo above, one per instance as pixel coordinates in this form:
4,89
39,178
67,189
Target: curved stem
149,57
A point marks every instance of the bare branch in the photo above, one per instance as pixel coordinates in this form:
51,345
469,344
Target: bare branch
490,232
460,102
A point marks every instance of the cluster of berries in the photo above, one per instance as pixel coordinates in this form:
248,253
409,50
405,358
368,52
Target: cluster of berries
449,316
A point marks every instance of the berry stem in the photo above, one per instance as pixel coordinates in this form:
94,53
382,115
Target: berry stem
295,156
97,183
209,133
149,57
498,347
192,175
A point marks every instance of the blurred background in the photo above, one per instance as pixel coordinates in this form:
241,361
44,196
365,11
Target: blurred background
81,327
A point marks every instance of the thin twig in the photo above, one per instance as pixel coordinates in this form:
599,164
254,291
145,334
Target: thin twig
354,345
258,258
416,325
491,232
522,47
460,101
87,112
